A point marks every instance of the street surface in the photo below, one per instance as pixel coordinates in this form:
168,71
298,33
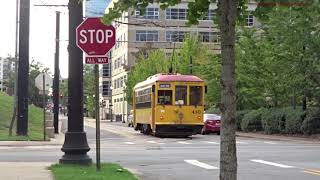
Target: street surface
153,158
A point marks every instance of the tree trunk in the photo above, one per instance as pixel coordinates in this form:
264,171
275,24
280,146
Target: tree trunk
228,151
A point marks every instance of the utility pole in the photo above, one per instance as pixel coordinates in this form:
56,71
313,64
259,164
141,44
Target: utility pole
14,113
56,77
75,145
23,71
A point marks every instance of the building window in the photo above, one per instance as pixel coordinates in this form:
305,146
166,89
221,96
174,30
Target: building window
209,37
175,36
249,20
106,70
149,36
209,15
178,14
106,88
150,13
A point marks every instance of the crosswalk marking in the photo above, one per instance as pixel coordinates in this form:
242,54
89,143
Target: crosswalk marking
269,142
129,143
210,142
154,142
200,164
271,163
240,142
182,142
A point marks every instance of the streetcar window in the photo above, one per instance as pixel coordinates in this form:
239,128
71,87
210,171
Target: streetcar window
165,97
181,95
196,95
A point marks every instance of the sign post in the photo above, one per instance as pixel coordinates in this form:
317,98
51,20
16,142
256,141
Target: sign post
96,39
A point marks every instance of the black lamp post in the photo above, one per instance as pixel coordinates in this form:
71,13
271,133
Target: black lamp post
75,145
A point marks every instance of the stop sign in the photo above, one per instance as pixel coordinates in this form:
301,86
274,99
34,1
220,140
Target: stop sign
95,38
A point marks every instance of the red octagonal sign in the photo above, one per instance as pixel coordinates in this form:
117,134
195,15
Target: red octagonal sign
95,38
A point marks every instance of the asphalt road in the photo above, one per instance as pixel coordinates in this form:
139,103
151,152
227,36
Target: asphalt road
193,158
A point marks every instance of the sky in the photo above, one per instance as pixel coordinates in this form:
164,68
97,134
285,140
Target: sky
42,31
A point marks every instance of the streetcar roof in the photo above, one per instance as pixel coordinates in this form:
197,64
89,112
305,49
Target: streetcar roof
168,78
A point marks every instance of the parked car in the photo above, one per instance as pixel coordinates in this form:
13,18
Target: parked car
211,124
130,119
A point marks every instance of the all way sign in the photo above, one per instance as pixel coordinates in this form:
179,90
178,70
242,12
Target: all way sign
97,60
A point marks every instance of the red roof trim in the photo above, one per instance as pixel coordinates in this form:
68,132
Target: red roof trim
180,78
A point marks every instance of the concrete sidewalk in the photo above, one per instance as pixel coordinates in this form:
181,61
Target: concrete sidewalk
29,170
25,171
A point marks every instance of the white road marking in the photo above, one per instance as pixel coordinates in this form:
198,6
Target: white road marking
129,143
269,142
200,164
240,142
210,142
154,142
182,142
271,163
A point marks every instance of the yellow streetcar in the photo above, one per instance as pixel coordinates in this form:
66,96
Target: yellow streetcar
169,105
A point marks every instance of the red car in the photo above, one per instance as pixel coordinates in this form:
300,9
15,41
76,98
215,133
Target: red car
211,124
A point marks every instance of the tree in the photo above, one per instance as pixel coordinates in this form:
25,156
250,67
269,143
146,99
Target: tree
89,89
227,11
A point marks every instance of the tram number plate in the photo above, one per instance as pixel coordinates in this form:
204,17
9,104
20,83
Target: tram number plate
196,111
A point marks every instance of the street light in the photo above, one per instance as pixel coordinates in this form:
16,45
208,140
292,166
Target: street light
110,105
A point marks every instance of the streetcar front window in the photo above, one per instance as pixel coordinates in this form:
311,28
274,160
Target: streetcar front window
196,95
165,97
181,95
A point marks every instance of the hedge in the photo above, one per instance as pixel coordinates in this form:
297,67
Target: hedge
311,124
252,121
239,117
273,121
293,120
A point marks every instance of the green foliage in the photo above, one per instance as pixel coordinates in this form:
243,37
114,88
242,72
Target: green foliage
35,120
239,117
252,121
294,119
156,62
89,89
311,124
205,64
273,120
78,172
213,110
34,70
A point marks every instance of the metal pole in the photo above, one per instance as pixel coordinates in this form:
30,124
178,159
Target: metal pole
56,77
14,114
23,74
190,65
75,145
97,118
123,104
44,105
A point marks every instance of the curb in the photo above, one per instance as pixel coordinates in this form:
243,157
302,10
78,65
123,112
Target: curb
277,138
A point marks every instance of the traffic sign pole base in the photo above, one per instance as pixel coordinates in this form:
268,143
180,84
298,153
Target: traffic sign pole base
75,148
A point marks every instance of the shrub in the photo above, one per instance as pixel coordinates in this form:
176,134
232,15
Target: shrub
213,110
252,121
239,117
273,121
293,120
311,124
